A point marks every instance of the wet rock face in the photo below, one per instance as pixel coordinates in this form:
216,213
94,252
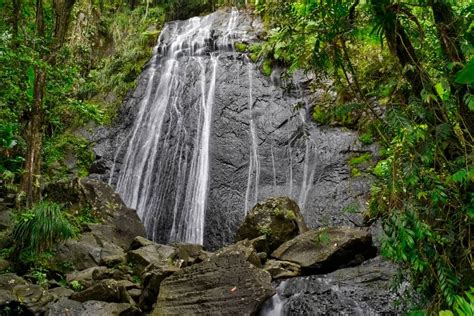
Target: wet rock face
362,290
279,153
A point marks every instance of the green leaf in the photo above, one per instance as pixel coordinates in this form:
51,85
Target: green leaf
460,176
470,102
470,212
440,90
466,75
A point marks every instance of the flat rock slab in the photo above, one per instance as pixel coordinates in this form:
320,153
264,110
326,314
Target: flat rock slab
282,269
227,284
327,249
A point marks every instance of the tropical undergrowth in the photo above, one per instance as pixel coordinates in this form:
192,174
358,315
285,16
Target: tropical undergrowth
402,74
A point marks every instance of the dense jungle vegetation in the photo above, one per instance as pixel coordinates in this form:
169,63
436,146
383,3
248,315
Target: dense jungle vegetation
403,74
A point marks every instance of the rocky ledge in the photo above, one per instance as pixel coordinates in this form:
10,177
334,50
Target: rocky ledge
274,267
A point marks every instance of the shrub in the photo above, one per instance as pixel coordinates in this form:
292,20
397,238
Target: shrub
38,228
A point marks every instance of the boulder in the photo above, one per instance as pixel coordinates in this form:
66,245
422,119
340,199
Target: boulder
282,269
278,218
122,224
244,248
188,254
135,294
327,249
8,281
104,290
84,277
60,292
361,290
88,251
16,291
139,242
69,307
226,284
152,254
109,273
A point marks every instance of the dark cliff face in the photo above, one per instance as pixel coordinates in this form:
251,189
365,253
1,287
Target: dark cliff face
259,144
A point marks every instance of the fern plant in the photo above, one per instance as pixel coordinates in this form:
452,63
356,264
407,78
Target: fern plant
40,227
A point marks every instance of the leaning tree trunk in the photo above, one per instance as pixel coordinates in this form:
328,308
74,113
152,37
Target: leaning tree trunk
446,27
388,15
401,46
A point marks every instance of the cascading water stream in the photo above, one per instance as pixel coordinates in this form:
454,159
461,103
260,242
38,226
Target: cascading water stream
165,169
254,163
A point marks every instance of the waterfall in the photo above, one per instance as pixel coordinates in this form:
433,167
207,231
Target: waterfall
206,135
254,164
274,305
165,169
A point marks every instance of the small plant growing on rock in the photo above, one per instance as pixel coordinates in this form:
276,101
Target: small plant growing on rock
265,230
241,47
279,212
76,285
290,215
322,238
40,277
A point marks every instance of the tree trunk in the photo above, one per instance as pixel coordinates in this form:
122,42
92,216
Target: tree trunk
34,128
401,46
447,31
15,17
399,43
34,139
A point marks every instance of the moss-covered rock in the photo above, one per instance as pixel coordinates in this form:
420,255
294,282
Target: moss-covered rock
327,249
278,218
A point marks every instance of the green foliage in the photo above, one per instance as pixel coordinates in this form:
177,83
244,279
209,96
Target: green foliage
240,47
466,75
39,228
267,67
352,208
40,277
136,279
84,216
464,306
265,230
366,138
323,238
76,285
360,159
